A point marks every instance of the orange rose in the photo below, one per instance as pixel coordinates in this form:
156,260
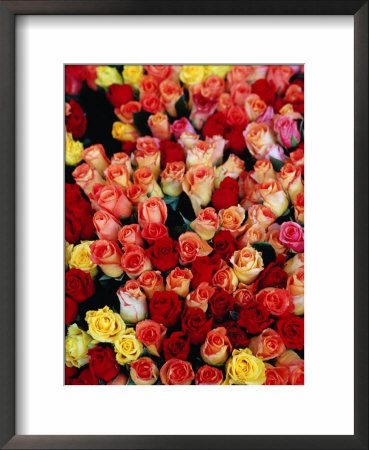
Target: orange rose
170,92
260,215
159,126
291,180
112,199
132,287
297,158
238,74
122,158
206,223
125,112
231,219
178,281
177,372
151,281
85,176
144,371
172,177
224,102
136,194
106,225
274,197
273,239
130,234
198,184
217,347
144,177
200,297
153,210
118,174
280,77
276,375
148,153
267,345
225,278
299,208
246,183
258,137
295,365
107,255
255,233
295,286
96,158
188,140
213,86
135,261
152,335
242,296
160,72
247,264
148,85
255,107
239,93
233,167
263,171
190,246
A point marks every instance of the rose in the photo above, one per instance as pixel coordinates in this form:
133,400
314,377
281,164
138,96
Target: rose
170,92
203,269
107,75
291,329
225,278
218,144
198,185
119,94
124,132
292,235
180,126
152,232
85,378
290,177
132,75
254,317
220,304
295,365
215,125
102,363
286,130
112,199
106,225
232,168
190,246
107,255
72,228
177,346
200,297
118,174
217,347
295,95
104,325
72,194
267,345
295,285
151,281
258,137
236,117
235,137
201,153
73,150
263,171
208,375
192,74
171,152
206,223
274,197
231,219
276,375
277,301
265,90
148,85
80,259
151,103
294,263
272,276
178,281
224,244
159,72
77,344
125,111
75,121
127,347
247,264
85,176
297,157
132,309
120,380
159,126
153,210
148,153
227,195
238,73
78,222
176,372
144,371
195,324
165,307
135,261
279,76
255,107
130,234
172,177
236,334
272,238
163,254
188,140
136,194
255,233
213,86
242,297
299,208
144,177
74,76
239,92
132,287
244,368
78,285
152,335
69,374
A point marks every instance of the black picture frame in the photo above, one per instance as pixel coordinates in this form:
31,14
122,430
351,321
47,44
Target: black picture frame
8,11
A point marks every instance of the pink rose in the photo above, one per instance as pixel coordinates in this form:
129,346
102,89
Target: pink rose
287,131
106,225
202,108
180,126
111,198
292,235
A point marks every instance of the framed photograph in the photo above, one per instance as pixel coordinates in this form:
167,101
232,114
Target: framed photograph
158,162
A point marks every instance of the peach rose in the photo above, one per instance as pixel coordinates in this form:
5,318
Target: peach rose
280,77
297,158
125,112
177,372
239,93
291,179
153,210
136,194
151,281
188,139
178,281
132,287
159,126
170,92
267,345
260,215
132,309
213,86
135,261
172,177
198,184
276,375
295,365
148,85
144,177
151,103
218,144
247,264
225,278
160,72
295,286
299,208
231,220
224,102
200,297
130,234
85,176
242,296
200,153
263,171
274,197
255,233
273,239
217,347
111,198
277,301
190,246
258,137
106,254
118,174
106,225
96,158
233,168
122,158
144,371
294,263
152,335
255,107
238,74
246,183
148,154
206,223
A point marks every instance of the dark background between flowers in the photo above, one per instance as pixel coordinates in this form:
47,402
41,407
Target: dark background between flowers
100,118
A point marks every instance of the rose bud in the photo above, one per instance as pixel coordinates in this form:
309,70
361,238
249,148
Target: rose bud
180,126
276,375
247,264
263,171
242,297
299,208
177,346
201,153
295,286
292,235
132,310
106,225
277,301
153,210
135,261
148,154
200,297
172,177
225,278
286,130
96,158
202,108
233,167
224,245
258,137
125,112
294,263
151,281
120,380
208,375
136,194
177,372
152,335
130,234
206,224
132,287
236,334
274,197
178,281
231,220
198,184
159,126
144,177
188,140
170,92
297,157
255,107
112,199
107,255
224,102
291,180
267,345
124,132
218,144
151,103
217,347
144,371
118,174
153,232
280,77
191,246
165,308
85,176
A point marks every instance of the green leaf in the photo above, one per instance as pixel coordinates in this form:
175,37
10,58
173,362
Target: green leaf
172,201
277,164
181,107
104,278
267,251
140,120
294,142
130,381
186,221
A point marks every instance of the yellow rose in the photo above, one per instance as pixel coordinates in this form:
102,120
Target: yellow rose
73,150
132,75
68,253
247,264
104,325
77,344
244,368
124,132
106,76
80,258
220,71
192,74
127,347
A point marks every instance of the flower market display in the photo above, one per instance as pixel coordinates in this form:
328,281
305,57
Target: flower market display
184,225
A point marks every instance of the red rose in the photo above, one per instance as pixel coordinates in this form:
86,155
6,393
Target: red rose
265,90
272,276
83,212
236,117
224,198
170,152
128,147
119,94
71,310
203,269
208,375
86,377
103,363
70,373
163,254
74,76
236,334
165,308
153,232
254,317
236,140
72,228
177,346
72,194
224,244
291,330
220,304
195,325
215,125
78,285
230,184
76,122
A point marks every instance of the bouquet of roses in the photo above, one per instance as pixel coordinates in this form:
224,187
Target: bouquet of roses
184,225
